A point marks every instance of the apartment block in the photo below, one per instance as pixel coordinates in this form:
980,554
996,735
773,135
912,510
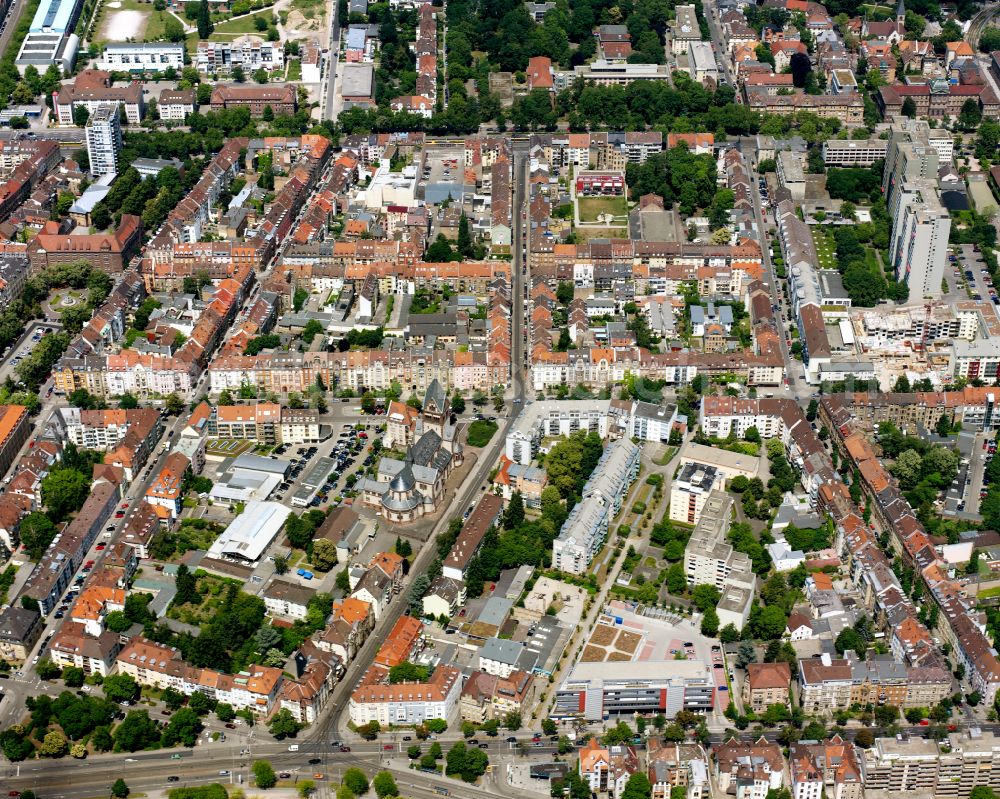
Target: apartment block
586,528
691,489
104,140
711,560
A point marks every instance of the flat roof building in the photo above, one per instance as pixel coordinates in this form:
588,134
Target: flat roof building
251,532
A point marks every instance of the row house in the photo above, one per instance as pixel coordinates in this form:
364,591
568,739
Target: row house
159,666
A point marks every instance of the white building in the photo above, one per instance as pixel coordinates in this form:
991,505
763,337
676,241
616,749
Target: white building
287,599
408,703
690,489
142,57
250,533
709,559
248,52
104,140
701,62
586,528
501,657
918,246
541,420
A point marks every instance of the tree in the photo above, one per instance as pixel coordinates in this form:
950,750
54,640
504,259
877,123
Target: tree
137,731
204,20
457,403
864,738
73,676
201,703
710,623
909,108
549,727
512,720
324,554
705,596
173,404
183,727
356,781
385,785
283,724
970,116
403,548
514,514
848,639
37,531
745,655
264,775
64,491
53,744
637,787
801,66
305,788
120,687
729,634
187,587
468,764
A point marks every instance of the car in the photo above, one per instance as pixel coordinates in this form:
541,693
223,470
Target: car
224,772
166,712
173,778
318,776
230,726
407,737
719,666
285,775
387,747
924,722
484,745
345,749
124,506
314,761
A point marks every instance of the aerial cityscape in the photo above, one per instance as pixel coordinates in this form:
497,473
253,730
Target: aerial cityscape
499,399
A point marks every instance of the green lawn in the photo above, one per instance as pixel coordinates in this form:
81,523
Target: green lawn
480,433
825,248
241,26
989,592
295,74
591,207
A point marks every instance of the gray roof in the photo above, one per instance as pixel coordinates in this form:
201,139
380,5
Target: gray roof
510,653
434,397
358,80
495,611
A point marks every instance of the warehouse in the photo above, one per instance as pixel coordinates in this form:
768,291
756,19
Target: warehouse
251,533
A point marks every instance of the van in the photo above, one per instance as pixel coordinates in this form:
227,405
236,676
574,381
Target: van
293,748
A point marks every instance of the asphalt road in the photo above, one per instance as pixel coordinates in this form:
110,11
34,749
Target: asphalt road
333,725
331,67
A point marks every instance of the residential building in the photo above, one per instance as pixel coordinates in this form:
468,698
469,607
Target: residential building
502,656
914,764
485,515
748,770
166,492
280,99
287,599
408,703
766,684
487,696
142,57
20,630
607,769
586,528
709,559
829,768
91,89
249,53
688,492
104,140
174,106
162,666
674,765
444,597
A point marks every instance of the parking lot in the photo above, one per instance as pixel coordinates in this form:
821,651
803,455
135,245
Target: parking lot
969,271
23,348
348,448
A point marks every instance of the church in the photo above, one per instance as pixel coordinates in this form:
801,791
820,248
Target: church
404,490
